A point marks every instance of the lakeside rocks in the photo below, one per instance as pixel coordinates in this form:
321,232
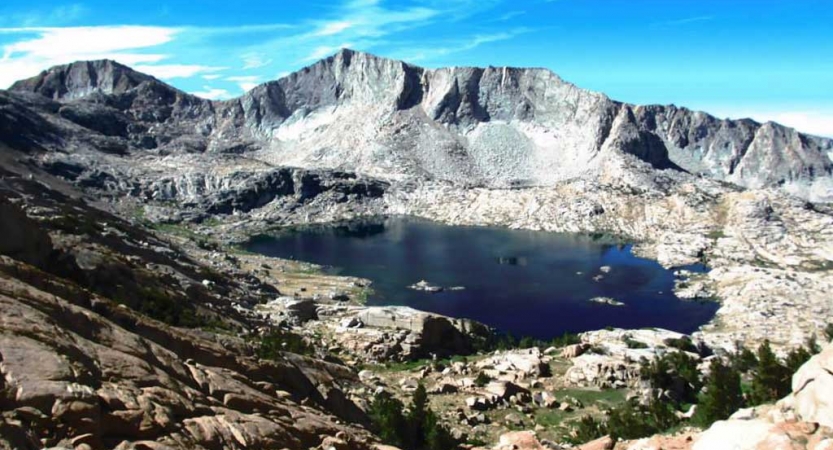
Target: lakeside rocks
612,358
605,301
425,286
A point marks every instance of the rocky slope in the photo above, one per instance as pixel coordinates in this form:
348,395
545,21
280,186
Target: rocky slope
90,359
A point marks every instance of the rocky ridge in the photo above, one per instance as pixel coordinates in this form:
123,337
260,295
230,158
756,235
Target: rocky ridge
511,147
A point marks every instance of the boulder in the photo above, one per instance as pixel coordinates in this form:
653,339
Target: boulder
519,440
504,390
575,350
603,443
432,333
813,389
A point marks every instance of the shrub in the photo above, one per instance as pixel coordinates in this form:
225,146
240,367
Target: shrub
743,360
588,429
629,420
828,332
797,357
482,379
632,343
526,342
565,340
387,420
277,341
633,421
675,372
684,343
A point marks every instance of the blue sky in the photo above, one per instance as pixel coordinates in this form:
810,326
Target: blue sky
766,59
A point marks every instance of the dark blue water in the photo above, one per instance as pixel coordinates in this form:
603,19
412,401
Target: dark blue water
524,282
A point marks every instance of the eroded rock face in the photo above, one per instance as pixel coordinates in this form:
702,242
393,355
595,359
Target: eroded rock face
496,127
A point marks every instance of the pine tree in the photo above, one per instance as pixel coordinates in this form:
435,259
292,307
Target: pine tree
771,380
722,397
436,435
387,420
744,359
416,418
796,358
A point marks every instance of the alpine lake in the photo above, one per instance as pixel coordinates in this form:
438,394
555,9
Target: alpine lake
528,283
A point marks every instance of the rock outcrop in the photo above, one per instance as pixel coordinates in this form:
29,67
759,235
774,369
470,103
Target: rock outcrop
90,357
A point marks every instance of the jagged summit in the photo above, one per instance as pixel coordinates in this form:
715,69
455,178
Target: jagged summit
493,126
81,78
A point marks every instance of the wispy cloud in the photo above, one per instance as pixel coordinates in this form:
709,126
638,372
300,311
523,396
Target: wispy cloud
686,21
428,53
510,15
815,121
58,16
332,28
40,48
324,51
255,61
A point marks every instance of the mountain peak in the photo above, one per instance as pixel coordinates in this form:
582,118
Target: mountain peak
81,78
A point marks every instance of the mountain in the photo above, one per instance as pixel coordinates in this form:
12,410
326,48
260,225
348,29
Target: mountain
132,319
493,127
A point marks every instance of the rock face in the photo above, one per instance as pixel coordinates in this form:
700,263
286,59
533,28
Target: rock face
83,78
89,357
813,389
496,127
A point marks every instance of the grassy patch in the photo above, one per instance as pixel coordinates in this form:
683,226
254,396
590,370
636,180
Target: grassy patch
603,398
272,345
551,417
716,234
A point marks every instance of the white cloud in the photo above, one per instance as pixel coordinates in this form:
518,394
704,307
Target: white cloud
53,46
246,82
63,43
325,50
331,28
212,76
687,20
510,15
213,93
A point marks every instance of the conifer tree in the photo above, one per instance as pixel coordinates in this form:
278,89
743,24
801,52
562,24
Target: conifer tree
771,380
722,396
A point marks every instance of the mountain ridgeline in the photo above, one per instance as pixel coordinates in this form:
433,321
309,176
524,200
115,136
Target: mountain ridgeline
493,127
